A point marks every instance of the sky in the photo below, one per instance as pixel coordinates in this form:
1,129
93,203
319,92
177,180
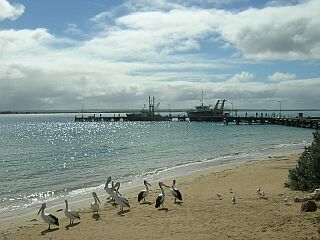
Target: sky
58,55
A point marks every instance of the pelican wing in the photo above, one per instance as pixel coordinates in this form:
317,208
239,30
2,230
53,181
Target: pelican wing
141,195
176,193
159,200
125,201
54,219
75,214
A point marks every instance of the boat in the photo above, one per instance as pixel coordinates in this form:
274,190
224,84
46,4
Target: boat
147,114
207,113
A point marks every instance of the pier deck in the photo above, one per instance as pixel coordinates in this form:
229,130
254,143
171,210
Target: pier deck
309,122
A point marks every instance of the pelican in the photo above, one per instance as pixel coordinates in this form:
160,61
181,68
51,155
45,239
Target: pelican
161,197
70,214
108,190
95,205
121,200
144,193
175,192
48,218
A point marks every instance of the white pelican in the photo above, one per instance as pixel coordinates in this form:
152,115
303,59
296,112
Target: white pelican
161,197
70,214
108,189
48,218
144,193
233,200
175,192
95,205
121,200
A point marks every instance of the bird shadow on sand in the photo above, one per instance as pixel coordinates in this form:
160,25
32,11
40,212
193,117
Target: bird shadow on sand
145,203
164,209
71,225
96,216
49,230
178,202
123,212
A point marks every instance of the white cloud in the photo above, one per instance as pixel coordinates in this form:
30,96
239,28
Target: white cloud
10,11
278,76
287,33
242,77
153,51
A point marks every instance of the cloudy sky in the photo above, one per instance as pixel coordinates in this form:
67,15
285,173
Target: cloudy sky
113,53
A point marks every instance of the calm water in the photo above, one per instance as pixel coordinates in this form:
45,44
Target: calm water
49,157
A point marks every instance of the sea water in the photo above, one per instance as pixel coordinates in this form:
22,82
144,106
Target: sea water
49,157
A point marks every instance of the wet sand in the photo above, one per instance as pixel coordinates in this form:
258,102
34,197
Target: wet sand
201,215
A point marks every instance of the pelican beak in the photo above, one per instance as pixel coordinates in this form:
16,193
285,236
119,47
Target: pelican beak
98,200
40,209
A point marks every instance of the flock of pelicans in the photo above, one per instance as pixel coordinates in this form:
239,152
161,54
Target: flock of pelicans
116,197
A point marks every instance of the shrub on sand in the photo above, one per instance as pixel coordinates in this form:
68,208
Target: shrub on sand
306,175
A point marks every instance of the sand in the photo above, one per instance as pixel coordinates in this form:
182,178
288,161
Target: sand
201,215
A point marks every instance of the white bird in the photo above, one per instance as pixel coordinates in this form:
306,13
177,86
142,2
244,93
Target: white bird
286,199
258,190
70,214
95,206
48,218
161,197
175,192
108,189
219,196
144,193
233,200
121,200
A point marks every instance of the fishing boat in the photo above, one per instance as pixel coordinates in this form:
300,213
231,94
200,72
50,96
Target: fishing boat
147,114
207,113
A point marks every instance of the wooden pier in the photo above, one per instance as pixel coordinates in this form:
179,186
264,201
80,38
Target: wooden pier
309,122
119,118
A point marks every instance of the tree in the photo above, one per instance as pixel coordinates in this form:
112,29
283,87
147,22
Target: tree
306,175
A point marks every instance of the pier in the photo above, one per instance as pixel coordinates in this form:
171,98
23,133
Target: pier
303,122
119,118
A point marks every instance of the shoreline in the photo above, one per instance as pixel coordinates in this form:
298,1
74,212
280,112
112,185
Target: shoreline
159,174
189,184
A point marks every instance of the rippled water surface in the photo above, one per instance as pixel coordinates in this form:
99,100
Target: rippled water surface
49,157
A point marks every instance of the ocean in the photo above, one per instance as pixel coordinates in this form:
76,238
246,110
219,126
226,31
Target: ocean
49,157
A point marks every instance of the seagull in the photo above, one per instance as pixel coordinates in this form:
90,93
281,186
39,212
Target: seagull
121,200
175,192
233,200
219,196
48,218
258,190
144,193
70,214
161,197
95,205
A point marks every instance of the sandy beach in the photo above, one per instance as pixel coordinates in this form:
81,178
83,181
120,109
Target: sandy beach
201,215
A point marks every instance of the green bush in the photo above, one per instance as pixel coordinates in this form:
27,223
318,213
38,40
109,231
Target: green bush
306,175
